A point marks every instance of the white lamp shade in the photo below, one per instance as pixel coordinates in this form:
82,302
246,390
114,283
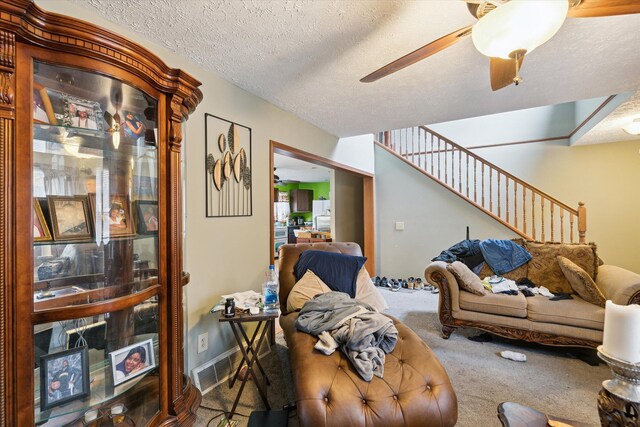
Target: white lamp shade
518,24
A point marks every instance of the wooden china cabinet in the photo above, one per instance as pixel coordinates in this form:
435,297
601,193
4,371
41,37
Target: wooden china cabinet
91,280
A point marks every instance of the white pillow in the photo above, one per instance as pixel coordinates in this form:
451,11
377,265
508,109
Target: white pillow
367,292
305,289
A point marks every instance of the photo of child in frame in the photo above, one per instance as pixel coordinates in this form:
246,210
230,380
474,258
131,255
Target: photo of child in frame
64,377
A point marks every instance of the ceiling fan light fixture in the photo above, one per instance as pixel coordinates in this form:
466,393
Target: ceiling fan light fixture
632,128
518,25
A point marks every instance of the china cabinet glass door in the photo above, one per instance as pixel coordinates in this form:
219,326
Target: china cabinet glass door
96,226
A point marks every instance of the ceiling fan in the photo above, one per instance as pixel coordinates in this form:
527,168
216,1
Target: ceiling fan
508,29
277,180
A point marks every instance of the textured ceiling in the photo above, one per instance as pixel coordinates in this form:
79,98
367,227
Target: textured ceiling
610,129
288,168
307,57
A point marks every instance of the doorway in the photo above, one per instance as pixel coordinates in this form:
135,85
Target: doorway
352,211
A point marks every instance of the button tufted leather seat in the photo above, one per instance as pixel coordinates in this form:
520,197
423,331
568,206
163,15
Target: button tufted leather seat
415,390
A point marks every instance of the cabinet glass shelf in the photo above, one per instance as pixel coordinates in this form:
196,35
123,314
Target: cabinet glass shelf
119,352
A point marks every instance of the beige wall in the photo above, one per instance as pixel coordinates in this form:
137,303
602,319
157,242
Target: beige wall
226,255
605,177
434,219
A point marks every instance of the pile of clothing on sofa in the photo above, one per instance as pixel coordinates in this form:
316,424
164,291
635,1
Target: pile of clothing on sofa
340,320
502,256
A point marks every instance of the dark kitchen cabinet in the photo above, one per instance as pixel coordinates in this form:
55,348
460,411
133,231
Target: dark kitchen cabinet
301,200
291,236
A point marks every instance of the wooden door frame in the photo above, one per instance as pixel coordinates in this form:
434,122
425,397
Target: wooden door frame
368,190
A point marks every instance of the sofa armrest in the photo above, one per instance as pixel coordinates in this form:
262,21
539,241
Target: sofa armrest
619,285
437,274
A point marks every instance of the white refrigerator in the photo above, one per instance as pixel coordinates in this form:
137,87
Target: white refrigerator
321,215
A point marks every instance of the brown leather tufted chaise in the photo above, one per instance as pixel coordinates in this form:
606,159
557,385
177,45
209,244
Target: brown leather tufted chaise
415,390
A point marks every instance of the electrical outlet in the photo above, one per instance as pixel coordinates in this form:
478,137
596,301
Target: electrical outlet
203,342
399,226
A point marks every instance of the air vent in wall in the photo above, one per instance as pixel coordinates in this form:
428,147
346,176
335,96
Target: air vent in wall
217,371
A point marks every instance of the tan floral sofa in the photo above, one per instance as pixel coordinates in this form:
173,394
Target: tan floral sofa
572,322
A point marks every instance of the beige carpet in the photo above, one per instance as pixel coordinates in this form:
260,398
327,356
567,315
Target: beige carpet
552,380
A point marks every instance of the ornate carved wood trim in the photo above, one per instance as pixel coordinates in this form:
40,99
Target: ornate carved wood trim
617,412
37,26
445,314
187,405
7,72
7,90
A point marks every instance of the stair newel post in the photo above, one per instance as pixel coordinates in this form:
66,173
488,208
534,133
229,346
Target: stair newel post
582,222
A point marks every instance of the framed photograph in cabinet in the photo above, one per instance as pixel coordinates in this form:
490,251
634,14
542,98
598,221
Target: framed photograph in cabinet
42,108
131,361
69,217
133,127
119,216
114,215
64,377
147,216
144,187
76,112
228,173
41,231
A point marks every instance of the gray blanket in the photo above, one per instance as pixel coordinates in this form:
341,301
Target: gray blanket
363,334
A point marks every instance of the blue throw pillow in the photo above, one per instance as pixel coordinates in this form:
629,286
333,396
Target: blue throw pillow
338,271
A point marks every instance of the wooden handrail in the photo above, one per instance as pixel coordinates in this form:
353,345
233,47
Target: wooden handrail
506,198
502,171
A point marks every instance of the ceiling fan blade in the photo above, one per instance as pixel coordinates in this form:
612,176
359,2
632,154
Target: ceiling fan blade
595,8
503,71
418,54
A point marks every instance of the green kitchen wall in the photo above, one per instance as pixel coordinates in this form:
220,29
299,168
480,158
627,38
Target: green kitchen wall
320,189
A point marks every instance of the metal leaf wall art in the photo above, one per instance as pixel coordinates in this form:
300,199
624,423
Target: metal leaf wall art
228,168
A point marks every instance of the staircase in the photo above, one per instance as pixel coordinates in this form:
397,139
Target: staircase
521,207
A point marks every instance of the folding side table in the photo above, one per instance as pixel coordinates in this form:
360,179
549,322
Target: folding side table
249,349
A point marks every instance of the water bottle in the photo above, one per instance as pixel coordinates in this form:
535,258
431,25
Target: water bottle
270,292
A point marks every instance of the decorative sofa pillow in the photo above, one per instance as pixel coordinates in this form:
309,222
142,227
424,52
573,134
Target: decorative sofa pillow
581,283
338,271
544,269
367,292
305,289
311,285
466,278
